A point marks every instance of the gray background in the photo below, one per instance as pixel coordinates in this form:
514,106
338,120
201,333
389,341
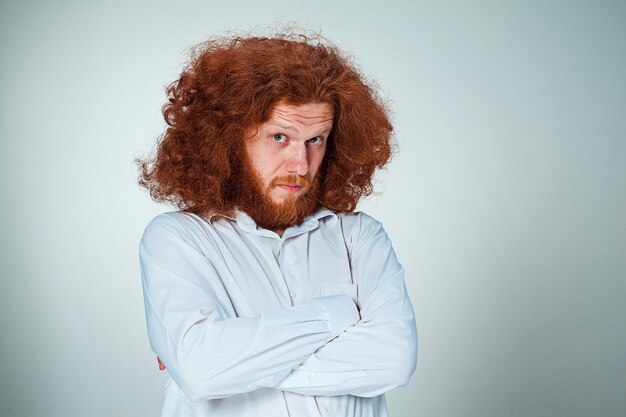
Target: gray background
506,202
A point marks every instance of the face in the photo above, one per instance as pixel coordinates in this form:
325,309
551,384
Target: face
277,180
287,150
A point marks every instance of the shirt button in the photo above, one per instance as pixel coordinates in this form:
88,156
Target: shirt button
293,293
330,408
307,378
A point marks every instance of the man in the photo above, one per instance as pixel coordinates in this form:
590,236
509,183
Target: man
267,295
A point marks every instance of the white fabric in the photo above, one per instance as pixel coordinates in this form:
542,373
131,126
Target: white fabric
314,323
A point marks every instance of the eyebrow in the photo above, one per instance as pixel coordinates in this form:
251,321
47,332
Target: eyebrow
293,129
283,127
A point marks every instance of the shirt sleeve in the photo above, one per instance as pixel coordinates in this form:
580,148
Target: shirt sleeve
380,352
192,326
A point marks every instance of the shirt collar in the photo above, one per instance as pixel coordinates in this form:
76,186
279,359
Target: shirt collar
247,223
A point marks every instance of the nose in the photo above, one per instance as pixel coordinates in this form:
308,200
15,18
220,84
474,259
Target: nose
298,160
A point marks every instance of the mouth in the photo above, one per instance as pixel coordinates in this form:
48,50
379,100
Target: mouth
290,188
290,185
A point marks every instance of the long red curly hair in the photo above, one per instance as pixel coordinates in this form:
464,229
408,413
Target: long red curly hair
230,86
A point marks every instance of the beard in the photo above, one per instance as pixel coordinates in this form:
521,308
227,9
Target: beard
254,199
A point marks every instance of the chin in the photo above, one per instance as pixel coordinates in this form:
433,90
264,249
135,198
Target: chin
285,199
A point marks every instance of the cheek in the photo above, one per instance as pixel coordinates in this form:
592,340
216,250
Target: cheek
262,159
316,160
270,164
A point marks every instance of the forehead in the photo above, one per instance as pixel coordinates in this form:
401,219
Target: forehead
311,115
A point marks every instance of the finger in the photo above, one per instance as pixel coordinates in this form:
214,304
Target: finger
161,364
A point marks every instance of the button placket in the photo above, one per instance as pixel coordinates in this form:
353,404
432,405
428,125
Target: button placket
293,287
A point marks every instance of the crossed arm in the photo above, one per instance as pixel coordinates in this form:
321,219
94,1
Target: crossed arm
324,346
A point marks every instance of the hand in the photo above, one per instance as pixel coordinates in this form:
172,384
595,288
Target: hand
161,364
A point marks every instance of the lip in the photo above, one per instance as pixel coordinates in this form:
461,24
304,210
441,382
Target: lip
290,188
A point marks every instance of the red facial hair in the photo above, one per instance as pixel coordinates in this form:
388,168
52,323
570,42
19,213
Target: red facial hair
290,180
254,200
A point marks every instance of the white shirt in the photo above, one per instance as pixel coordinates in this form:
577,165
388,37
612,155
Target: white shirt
314,323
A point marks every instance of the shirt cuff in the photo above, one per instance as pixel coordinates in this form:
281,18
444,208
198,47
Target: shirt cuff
342,313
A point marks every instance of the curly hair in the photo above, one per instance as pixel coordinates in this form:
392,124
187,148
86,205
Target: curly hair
230,86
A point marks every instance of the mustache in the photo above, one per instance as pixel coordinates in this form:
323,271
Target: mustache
292,180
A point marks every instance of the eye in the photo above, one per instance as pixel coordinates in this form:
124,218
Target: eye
316,140
279,137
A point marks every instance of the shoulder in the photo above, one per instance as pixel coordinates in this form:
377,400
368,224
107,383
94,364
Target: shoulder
173,225
172,221
359,226
358,218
